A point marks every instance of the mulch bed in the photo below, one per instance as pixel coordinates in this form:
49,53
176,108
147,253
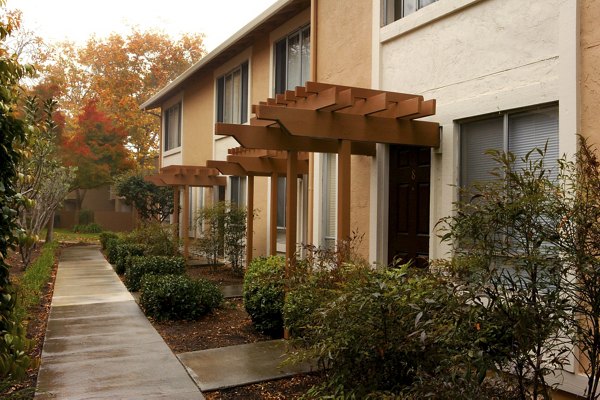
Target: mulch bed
229,325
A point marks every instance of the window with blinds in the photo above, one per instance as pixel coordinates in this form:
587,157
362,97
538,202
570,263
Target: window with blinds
518,133
329,190
232,96
292,60
237,193
172,127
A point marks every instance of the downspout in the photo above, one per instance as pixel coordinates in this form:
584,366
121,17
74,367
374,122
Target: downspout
314,4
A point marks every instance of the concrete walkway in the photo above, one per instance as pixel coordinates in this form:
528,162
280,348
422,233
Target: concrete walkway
99,345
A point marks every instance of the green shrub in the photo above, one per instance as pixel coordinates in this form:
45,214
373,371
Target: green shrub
154,265
112,248
175,297
124,253
104,236
264,293
86,217
157,237
377,331
88,228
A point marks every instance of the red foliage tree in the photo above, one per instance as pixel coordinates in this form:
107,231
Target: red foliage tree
97,149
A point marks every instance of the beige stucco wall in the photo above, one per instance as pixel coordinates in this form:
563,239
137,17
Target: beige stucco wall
198,121
590,69
344,58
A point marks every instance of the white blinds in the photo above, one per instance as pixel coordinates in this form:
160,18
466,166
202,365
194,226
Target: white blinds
525,130
476,138
534,129
330,194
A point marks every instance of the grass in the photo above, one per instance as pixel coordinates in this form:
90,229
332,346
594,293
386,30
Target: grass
66,235
32,282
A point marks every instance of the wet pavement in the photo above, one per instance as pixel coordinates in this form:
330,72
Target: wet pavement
225,367
99,344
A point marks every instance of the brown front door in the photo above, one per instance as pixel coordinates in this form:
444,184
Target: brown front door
408,230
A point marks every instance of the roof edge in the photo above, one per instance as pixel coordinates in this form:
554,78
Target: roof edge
156,100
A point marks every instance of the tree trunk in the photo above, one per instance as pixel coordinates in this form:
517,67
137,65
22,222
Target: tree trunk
80,196
50,228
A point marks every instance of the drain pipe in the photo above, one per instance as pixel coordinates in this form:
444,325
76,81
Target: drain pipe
314,4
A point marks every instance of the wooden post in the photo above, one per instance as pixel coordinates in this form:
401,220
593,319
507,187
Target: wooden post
250,220
291,208
273,216
176,213
186,221
344,181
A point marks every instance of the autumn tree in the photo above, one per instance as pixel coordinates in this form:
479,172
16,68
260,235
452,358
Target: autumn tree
120,72
97,149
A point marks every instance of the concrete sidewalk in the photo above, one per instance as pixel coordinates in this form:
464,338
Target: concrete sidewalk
99,344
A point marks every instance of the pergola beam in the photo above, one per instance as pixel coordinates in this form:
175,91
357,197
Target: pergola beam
275,138
327,125
267,165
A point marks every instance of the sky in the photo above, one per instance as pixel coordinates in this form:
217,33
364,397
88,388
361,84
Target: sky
77,20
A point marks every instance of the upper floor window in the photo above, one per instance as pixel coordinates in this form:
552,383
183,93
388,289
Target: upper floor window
232,96
393,10
518,133
172,123
292,60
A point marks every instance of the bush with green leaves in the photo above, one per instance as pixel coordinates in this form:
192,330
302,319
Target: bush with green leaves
176,297
105,236
151,265
112,249
507,261
263,290
212,240
125,251
156,237
86,217
376,330
92,227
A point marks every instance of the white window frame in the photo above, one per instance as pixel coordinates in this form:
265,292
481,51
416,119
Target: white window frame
393,10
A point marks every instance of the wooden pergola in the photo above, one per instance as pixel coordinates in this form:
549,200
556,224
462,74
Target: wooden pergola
338,119
260,162
186,176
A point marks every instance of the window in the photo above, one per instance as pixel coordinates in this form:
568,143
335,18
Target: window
172,122
281,196
394,10
329,203
517,132
292,60
232,96
237,190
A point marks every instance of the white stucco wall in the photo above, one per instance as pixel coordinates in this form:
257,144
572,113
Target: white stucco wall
474,57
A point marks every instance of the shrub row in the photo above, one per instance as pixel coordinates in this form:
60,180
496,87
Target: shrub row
175,297
88,228
104,236
151,265
125,252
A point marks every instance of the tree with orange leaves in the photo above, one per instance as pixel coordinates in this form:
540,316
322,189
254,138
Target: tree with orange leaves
97,149
120,72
